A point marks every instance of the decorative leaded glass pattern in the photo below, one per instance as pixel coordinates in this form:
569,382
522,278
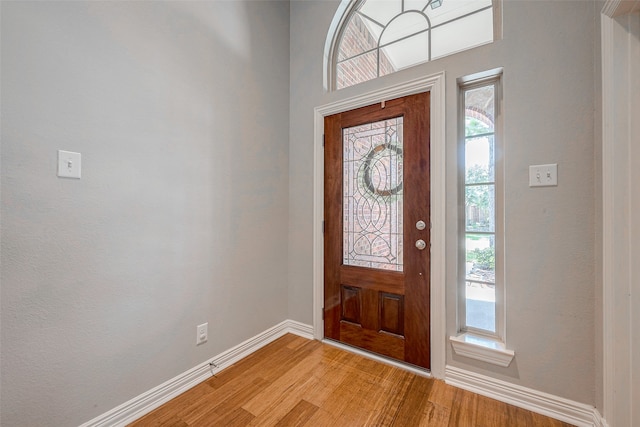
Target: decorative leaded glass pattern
384,36
372,195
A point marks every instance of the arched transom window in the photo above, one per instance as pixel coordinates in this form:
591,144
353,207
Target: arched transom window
379,37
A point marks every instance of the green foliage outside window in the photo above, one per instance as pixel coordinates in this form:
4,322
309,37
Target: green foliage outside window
484,259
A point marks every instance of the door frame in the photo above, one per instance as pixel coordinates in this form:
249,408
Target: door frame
435,84
619,202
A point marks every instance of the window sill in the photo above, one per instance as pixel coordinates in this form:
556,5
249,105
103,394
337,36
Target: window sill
487,349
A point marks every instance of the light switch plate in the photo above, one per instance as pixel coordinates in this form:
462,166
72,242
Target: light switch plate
69,164
543,175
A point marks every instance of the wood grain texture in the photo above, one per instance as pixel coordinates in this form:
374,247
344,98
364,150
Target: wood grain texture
351,304
391,308
298,382
377,342
417,201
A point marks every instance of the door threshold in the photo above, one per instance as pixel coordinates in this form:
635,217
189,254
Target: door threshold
423,372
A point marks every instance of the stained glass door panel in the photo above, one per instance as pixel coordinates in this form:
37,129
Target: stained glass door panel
372,205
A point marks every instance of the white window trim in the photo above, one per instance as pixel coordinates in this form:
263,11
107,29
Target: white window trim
480,345
331,41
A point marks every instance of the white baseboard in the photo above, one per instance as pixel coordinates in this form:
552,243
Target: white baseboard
150,400
598,419
566,410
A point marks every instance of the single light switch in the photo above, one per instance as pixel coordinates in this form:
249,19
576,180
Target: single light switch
543,175
68,164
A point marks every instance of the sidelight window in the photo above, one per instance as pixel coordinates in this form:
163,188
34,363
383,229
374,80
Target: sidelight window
481,259
481,213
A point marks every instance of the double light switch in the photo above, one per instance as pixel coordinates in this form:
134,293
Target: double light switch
543,175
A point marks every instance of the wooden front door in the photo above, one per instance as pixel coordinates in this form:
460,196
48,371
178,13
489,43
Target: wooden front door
377,229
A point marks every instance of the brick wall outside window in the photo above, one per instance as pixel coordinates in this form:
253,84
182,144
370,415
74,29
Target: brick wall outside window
356,39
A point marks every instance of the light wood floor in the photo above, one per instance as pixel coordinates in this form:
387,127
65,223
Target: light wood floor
297,382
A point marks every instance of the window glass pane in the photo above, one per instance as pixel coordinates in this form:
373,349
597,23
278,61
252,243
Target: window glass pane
403,26
481,258
381,11
407,52
480,306
479,110
476,123
356,39
415,4
462,34
357,70
372,195
480,207
449,9
479,155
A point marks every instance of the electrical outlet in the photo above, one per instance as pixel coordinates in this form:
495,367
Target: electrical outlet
201,333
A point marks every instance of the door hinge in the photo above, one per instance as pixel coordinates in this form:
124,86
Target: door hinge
323,140
322,227
322,313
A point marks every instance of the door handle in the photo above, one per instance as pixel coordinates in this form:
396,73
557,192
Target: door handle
420,244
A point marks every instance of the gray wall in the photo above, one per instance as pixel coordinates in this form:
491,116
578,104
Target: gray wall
180,111
549,57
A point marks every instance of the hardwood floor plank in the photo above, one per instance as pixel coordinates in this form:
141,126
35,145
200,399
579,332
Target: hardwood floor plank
279,404
270,360
519,417
172,421
464,409
322,418
329,373
286,389
205,406
299,415
356,390
434,415
242,375
362,396
237,399
543,421
395,396
491,412
442,394
298,382
236,418
164,415
415,403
